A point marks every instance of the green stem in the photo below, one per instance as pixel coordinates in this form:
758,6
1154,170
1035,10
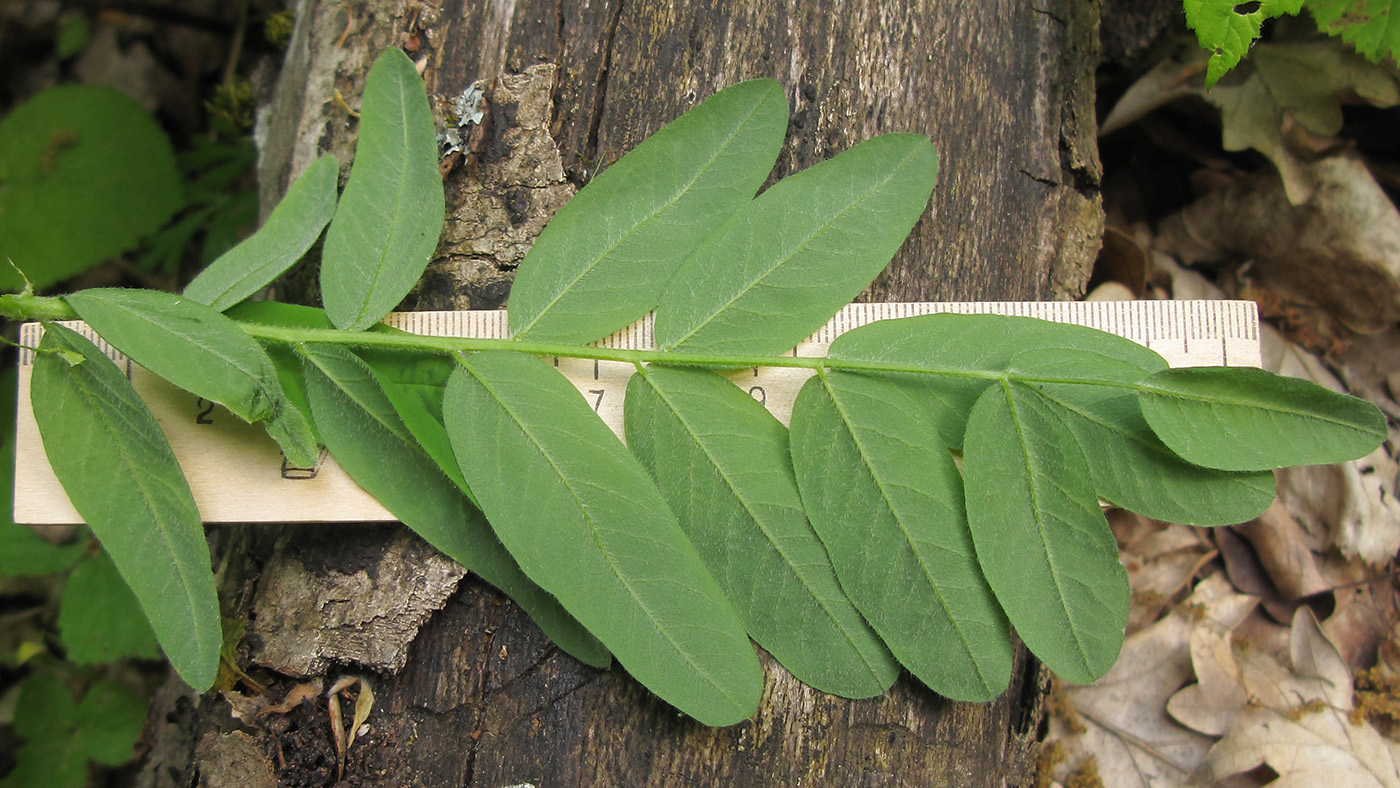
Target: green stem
31,307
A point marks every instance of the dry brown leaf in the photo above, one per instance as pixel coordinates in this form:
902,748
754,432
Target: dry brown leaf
295,697
1161,558
1126,728
1297,721
1283,553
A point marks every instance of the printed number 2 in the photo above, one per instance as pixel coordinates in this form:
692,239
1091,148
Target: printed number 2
203,417
597,402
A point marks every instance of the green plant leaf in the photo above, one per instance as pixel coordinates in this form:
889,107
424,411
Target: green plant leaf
585,522
801,251
118,470
391,213
1131,467
24,553
721,461
604,258
86,173
201,351
414,384
972,349
1042,540
886,499
293,227
61,736
1226,29
1372,26
1247,419
99,620
366,437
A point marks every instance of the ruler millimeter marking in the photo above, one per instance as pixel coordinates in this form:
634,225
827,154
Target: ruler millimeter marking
237,473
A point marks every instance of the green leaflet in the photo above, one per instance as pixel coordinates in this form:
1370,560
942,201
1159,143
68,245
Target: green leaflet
585,522
391,213
721,460
1131,466
121,476
87,175
973,350
99,619
886,499
366,437
293,227
1248,419
284,360
606,255
414,384
201,351
801,251
1043,543
61,736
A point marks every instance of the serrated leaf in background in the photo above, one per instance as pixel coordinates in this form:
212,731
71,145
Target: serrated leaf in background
604,258
99,620
1238,419
61,736
1131,466
117,468
364,434
586,522
391,212
1041,537
721,460
802,250
87,175
1372,26
289,232
201,351
886,499
1227,28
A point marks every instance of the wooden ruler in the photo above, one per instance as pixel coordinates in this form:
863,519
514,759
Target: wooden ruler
238,474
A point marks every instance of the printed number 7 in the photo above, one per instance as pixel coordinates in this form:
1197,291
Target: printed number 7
599,401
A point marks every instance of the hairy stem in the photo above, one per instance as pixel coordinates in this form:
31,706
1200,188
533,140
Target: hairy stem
31,307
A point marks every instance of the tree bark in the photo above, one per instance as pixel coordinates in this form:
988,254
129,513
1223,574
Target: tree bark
476,696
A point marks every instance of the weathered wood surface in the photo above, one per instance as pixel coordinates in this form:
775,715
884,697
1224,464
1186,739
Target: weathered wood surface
1003,88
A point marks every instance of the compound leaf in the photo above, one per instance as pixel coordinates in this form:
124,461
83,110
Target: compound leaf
391,213
721,460
801,251
201,351
586,522
364,434
117,468
1239,419
886,499
1042,540
604,258
1131,467
290,230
